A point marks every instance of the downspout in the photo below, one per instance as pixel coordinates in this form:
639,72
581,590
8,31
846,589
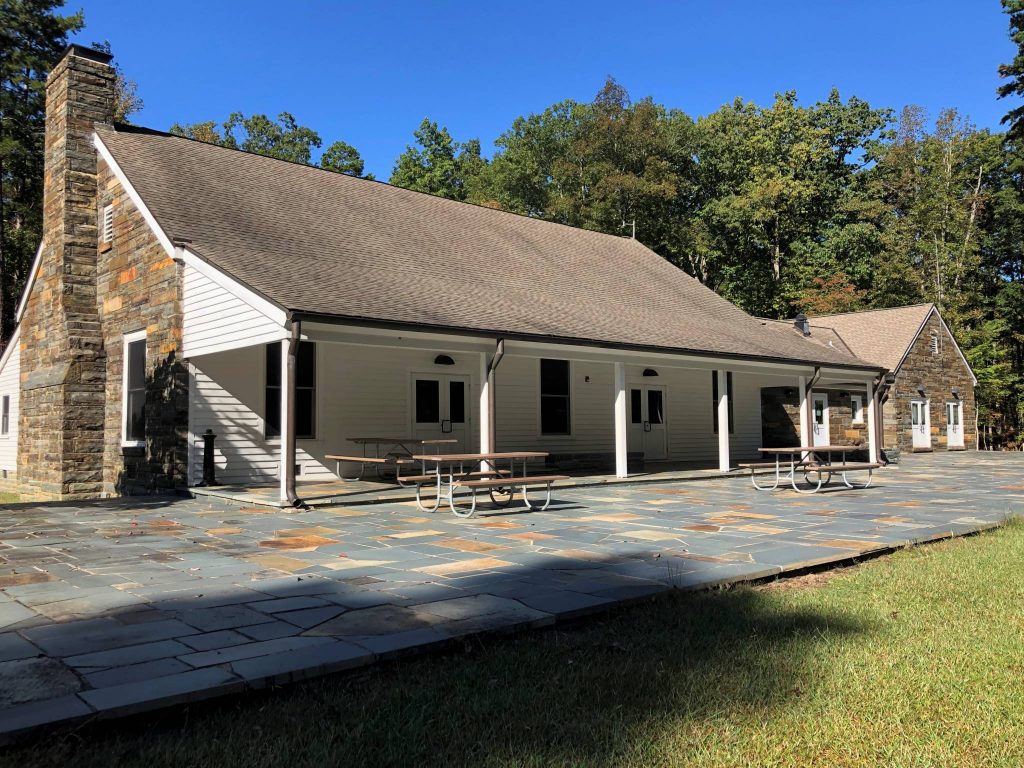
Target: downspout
499,353
884,383
289,436
808,407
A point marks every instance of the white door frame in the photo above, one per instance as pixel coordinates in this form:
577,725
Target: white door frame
954,431
922,430
821,430
645,435
444,428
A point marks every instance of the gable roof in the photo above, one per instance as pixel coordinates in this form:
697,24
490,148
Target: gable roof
328,245
883,336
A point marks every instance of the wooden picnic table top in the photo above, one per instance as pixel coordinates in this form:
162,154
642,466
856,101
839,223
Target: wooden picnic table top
401,440
445,457
814,448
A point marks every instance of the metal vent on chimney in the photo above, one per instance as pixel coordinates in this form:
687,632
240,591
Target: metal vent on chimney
108,223
802,324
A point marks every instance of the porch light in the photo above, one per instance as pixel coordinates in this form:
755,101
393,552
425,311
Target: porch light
956,392
890,379
920,389
650,372
444,360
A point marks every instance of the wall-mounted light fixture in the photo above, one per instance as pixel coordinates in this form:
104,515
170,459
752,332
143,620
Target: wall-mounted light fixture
444,360
650,372
956,392
920,389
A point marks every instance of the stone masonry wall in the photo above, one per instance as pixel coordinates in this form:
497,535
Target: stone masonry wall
63,366
780,417
139,288
939,374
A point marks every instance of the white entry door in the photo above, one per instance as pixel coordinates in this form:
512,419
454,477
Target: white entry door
920,423
954,424
440,409
819,419
648,430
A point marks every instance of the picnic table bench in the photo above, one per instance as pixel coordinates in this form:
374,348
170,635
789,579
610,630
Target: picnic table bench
399,452
813,461
483,472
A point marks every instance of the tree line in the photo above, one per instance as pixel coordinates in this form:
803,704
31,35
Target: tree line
782,208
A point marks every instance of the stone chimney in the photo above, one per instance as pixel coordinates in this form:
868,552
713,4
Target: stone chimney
63,365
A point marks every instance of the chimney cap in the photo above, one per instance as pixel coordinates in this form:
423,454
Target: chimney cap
83,52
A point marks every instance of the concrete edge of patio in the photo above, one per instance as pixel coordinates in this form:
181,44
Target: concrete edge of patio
334,655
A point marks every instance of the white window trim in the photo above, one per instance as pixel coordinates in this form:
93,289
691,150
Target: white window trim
10,412
860,409
126,340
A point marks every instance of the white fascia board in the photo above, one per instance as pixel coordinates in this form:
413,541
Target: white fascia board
29,283
190,258
11,346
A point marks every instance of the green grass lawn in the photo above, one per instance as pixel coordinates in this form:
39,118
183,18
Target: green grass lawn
8,498
914,659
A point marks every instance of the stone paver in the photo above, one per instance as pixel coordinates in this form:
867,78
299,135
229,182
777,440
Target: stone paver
119,606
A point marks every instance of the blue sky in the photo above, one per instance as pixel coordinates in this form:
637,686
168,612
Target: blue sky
369,73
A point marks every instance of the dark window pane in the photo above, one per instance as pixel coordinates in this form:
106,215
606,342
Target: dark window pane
457,401
554,415
714,400
274,364
305,413
305,364
654,406
136,426
273,421
428,401
636,406
137,364
5,417
554,377
728,390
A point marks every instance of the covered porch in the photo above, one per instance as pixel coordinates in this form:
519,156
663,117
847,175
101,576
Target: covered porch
279,409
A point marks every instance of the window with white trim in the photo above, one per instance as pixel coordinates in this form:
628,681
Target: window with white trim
305,391
857,409
133,396
554,397
5,416
107,229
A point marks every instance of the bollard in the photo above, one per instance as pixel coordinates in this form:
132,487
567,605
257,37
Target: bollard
209,466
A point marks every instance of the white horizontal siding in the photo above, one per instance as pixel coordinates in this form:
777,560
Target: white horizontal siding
10,384
215,320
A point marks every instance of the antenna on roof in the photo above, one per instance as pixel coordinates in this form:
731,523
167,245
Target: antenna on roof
630,224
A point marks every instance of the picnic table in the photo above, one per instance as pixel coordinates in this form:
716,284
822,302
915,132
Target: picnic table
398,451
813,461
478,471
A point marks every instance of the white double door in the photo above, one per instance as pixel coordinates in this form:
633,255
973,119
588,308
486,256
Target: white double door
954,424
648,430
440,410
819,419
921,424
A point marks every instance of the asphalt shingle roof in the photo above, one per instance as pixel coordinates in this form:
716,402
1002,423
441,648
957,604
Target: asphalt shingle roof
322,243
881,336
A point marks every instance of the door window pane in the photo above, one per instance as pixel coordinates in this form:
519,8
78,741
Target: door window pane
655,403
819,412
428,401
636,406
457,402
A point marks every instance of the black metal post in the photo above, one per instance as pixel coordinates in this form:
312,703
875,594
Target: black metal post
209,465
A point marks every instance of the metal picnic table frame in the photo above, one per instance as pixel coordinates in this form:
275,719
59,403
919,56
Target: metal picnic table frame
398,448
814,460
445,473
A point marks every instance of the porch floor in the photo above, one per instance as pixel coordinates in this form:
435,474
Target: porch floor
321,493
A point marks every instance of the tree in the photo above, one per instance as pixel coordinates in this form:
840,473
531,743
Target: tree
341,157
32,37
128,101
1014,71
437,164
284,139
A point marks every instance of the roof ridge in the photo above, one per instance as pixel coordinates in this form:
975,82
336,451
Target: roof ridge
129,128
869,311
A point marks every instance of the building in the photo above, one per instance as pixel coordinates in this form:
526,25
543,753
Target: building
182,287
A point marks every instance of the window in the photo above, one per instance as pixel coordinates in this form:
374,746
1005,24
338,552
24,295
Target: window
5,416
714,399
133,402
857,409
305,391
636,408
933,343
108,224
554,397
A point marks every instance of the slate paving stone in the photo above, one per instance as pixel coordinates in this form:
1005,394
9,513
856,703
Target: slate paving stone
310,617
18,719
13,646
133,698
270,631
250,650
222,617
135,672
287,666
209,640
125,655
379,620
80,637
13,613
39,677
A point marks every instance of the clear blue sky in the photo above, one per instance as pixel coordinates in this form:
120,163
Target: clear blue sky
370,72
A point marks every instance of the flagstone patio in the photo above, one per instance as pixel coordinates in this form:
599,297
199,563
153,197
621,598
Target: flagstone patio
115,607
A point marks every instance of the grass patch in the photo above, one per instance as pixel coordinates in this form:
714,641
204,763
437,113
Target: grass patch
9,498
914,659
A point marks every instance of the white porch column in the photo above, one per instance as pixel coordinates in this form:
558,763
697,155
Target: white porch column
621,434
806,438
872,416
287,444
486,417
723,421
